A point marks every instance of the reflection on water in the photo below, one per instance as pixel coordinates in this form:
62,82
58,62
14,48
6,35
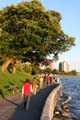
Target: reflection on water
71,87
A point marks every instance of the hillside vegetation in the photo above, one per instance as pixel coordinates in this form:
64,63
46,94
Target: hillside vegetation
8,81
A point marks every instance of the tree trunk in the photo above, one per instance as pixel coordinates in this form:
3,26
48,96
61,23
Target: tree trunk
6,64
14,69
15,65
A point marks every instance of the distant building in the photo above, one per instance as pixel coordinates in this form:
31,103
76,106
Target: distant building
52,65
64,66
47,63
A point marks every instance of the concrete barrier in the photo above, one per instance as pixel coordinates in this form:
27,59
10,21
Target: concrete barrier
50,103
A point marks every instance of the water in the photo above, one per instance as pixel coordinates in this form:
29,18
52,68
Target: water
71,87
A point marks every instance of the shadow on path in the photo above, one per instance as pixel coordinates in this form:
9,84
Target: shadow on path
36,104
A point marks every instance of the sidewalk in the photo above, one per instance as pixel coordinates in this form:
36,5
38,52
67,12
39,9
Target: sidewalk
8,106
11,108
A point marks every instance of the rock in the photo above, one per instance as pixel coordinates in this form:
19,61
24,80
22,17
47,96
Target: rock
58,111
65,107
66,114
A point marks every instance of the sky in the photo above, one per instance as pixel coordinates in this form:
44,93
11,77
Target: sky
70,23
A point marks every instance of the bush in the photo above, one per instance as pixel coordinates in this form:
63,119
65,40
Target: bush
35,70
28,69
47,71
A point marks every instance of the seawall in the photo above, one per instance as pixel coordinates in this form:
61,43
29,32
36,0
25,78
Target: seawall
50,103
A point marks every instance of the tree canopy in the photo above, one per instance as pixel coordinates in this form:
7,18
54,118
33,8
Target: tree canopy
30,32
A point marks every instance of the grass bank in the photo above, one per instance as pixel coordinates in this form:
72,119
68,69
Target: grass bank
7,80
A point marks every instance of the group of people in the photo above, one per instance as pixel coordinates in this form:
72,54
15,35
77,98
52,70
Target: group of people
31,88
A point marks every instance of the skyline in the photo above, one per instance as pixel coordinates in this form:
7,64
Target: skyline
69,23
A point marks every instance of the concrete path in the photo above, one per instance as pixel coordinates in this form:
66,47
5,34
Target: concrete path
11,108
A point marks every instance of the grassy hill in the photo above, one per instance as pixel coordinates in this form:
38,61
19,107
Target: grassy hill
8,81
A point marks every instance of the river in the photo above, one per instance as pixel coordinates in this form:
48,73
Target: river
71,87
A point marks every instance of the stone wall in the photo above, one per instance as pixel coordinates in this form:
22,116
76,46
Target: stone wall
50,103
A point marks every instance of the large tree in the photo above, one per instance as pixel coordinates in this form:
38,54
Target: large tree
30,32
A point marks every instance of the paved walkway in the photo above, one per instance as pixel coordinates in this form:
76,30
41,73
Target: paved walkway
11,108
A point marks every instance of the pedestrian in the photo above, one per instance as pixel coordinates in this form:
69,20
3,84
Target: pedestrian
48,80
26,93
58,80
34,85
41,82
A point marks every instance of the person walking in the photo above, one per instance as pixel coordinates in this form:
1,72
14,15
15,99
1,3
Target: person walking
26,93
34,85
41,82
48,80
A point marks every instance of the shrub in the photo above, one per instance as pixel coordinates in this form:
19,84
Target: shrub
28,69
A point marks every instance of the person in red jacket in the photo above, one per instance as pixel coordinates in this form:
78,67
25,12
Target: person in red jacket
48,80
26,93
